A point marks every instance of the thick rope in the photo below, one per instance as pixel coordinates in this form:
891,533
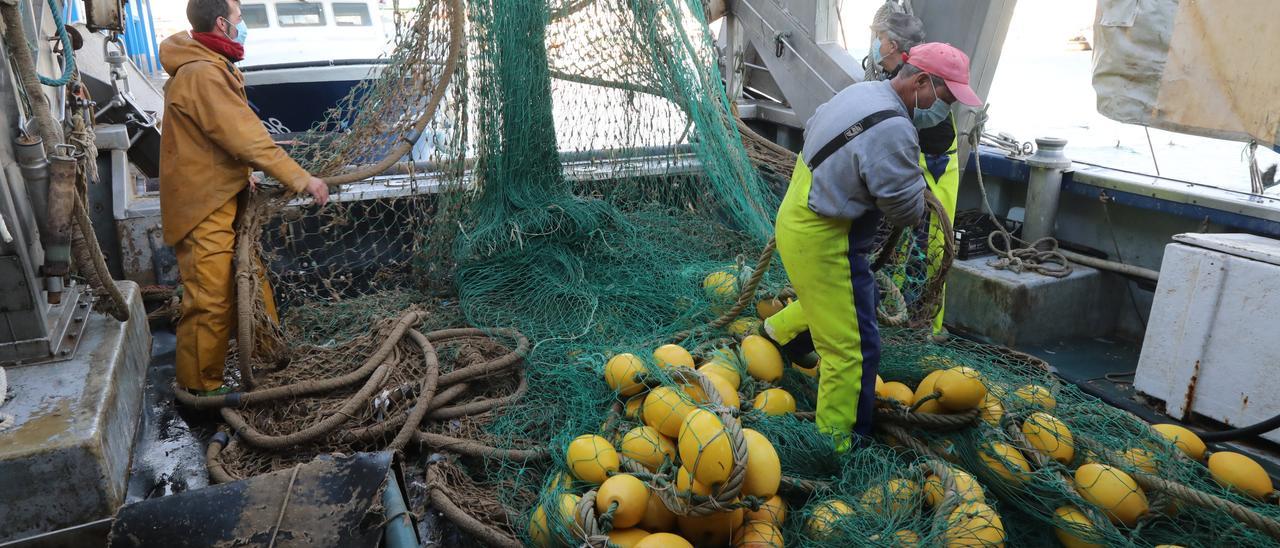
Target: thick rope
950,492
802,485
87,251
892,310
309,387
457,19
594,528
930,421
328,425
1041,256
725,497
429,399
427,392
905,439
442,499
1205,500
213,459
1194,496
1043,462
746,294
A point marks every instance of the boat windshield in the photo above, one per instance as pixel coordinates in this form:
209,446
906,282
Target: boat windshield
255,16
300,15
351,14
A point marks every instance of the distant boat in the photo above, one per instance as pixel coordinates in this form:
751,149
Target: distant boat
1082,41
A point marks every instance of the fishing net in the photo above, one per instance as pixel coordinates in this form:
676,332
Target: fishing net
567,183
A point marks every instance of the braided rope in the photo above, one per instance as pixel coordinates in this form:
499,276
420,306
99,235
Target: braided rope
900,415
748,292
806,486
1191,495
907,440
951,498
712,345
745,294
723,499
892,310
939,278
1043,462
1205,500
932,421
594,529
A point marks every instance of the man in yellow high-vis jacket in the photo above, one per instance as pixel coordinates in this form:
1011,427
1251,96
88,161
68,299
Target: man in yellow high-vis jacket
895,36
860,162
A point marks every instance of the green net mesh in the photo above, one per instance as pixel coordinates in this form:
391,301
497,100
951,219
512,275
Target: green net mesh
582,178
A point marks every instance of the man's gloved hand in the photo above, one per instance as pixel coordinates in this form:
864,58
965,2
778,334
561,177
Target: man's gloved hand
318,190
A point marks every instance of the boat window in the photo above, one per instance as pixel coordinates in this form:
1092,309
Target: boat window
351,14
300,14
255,16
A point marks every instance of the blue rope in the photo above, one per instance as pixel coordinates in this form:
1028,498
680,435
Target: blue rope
67,53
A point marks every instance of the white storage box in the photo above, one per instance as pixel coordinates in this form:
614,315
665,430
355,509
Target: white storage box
1211,342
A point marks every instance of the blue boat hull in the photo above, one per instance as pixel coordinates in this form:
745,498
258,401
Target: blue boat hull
290,108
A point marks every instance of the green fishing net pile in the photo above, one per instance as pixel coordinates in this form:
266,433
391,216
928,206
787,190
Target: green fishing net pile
586,176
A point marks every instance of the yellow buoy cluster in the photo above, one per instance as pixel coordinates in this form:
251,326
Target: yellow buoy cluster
1106,480
960,504
676,404
953,389
677,429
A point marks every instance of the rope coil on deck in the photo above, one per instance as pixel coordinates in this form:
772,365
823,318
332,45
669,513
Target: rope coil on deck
431,396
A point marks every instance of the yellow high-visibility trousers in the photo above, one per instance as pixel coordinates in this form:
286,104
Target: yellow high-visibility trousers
205,261
826,261
792,324
947,189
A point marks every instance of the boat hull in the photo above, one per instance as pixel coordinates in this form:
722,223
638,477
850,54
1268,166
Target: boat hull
297,97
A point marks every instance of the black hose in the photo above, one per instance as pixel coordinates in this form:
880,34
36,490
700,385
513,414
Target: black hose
1151,416
1241,433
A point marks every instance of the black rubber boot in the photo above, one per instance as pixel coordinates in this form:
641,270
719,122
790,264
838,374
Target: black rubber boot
798,352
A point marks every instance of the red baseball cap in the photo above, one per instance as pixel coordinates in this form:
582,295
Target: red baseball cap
948,63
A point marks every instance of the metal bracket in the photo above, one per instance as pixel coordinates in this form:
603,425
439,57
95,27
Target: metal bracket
66,329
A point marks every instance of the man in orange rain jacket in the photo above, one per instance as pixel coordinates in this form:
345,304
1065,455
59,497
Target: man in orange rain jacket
210,144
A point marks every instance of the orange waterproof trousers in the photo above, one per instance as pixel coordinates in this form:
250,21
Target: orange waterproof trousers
208,299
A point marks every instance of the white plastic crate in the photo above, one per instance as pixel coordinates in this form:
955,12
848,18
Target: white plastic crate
1213,340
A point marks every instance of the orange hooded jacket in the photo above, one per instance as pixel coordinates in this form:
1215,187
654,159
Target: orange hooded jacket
211,138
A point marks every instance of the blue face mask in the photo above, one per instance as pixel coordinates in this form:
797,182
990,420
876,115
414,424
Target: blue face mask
932,116
876,57
242,32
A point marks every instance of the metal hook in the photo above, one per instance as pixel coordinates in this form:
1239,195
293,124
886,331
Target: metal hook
779,41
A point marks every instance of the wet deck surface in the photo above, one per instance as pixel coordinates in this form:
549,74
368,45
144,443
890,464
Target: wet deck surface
168,455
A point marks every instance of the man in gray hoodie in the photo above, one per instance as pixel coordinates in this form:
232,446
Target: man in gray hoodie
860,161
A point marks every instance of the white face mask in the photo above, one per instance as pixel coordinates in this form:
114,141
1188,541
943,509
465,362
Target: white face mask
932,116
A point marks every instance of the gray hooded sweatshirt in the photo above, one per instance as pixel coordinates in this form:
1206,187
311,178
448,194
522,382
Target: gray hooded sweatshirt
878,169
